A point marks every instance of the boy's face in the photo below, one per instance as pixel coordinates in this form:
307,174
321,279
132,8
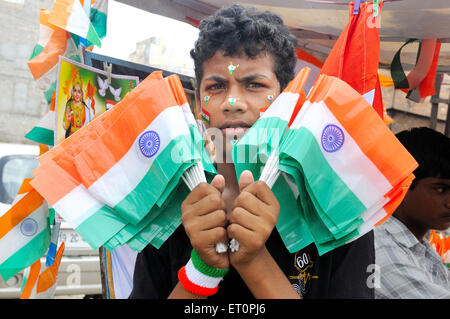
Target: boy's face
428,204
236,96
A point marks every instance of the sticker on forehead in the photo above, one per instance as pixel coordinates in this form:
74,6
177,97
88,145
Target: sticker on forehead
232,67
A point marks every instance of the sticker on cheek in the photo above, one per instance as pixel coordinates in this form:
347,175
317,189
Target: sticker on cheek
204,115
270,98
206,99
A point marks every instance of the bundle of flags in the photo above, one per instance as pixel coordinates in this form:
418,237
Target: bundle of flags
442,246
118,180
61,32
346,170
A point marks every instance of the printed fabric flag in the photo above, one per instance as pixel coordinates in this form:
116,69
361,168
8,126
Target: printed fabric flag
40,283
355,55
24,232
349,168
70,16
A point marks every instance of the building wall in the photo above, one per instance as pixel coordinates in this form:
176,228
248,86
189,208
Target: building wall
21,103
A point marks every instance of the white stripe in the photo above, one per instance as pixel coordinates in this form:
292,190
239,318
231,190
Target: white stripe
45,33
283,106
77,206
355,169
189,117
15,240
126,174
369,96
48,121
48,78
78,21
200,279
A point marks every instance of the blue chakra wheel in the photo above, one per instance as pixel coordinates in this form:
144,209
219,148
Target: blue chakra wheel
149,143
332,138
29,227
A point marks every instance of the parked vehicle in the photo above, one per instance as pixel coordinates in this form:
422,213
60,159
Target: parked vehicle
79,272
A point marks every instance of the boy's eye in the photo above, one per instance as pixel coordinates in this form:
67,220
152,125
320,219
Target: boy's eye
216,86
441,189
255,85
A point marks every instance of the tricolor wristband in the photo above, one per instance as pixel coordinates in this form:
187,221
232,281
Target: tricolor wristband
200,278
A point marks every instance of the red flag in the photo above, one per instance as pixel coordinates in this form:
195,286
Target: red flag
355,55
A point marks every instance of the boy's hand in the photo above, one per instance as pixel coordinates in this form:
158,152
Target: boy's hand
204,219
254,215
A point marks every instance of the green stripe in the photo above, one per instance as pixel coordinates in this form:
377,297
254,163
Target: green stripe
253,149
49,93
333,196
99,21
153,184
92,36
204,268
41,135
26,255
36,51
100,227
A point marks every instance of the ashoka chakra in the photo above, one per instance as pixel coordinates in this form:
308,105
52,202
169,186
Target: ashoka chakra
332,138
149,143
29,227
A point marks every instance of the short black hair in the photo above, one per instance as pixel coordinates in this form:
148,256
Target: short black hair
431,150
236,30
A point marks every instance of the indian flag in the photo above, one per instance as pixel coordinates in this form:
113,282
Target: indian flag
72,201
52,43
343,148
70,16
40,283
24,232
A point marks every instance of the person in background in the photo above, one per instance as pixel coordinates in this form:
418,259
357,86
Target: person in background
408,266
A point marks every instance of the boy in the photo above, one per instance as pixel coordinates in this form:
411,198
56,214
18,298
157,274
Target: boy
242,58
409,266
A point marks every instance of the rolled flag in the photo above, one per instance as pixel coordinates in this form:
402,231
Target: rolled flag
24,232
341,147
70,16
40,283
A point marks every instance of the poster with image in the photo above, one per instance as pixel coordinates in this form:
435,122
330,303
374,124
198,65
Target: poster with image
83,93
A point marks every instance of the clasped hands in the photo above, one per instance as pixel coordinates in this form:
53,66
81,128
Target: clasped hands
251,221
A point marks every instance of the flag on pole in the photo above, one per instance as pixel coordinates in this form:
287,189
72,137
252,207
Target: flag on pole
24,232
41,283
355,55
70,16
99,17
